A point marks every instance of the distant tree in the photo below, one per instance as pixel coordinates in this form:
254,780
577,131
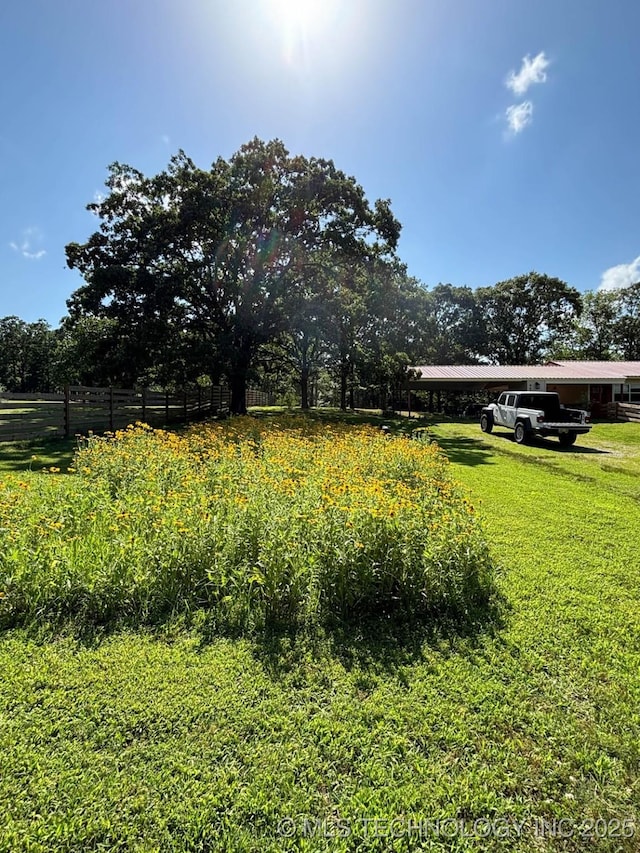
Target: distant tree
626,327
219,257
92,351
302,350
348,326
457,327
364,325
593,334
396,336
26,355
526,316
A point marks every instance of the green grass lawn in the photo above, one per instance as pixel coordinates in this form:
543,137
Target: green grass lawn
36,455
182,740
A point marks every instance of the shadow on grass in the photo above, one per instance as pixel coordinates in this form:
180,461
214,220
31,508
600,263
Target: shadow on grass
554,445
466,451
381,644
19,456
399,424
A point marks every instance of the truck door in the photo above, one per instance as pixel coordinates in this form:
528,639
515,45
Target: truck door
509,411
499,410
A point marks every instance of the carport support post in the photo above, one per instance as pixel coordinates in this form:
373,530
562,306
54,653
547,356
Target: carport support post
409,401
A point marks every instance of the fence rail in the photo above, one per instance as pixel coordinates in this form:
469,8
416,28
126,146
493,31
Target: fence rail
627,412
30,416
81,408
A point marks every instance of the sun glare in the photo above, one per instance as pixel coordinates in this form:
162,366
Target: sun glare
301,22
300,14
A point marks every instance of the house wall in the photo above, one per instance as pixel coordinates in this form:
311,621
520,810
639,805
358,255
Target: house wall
570,393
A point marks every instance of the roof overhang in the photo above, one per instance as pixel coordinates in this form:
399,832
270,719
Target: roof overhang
474,376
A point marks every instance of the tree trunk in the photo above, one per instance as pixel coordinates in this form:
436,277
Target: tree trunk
242,354
344,375
304,388
238,387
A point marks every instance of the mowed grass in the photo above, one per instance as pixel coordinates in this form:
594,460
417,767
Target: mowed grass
179,739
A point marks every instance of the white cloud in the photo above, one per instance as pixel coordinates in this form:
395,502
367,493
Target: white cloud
29,245
532,71
519,116
622,275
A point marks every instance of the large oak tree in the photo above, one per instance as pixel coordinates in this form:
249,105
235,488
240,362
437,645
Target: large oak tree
220,256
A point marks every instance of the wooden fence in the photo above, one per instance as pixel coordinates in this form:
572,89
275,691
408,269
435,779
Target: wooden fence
24,416
629,412
80,409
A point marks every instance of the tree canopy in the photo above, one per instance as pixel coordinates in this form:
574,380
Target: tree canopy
276,268
221,257
26,355
526,316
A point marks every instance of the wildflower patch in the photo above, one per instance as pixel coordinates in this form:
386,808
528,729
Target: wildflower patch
285,519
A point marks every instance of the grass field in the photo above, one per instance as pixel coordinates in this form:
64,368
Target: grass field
517,731
36,455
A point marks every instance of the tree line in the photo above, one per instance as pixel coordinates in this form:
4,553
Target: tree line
276,269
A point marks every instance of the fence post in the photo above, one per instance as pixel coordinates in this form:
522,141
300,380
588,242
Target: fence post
184,406
67,413
111,407
144,405
166,408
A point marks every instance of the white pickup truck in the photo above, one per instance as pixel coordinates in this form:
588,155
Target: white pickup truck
530,413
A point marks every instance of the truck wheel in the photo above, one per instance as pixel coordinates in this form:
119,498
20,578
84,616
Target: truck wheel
486,423
566,439
520,434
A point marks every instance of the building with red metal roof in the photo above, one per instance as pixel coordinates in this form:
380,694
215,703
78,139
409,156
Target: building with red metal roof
594,383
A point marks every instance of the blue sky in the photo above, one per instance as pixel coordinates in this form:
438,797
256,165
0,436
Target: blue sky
505,132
